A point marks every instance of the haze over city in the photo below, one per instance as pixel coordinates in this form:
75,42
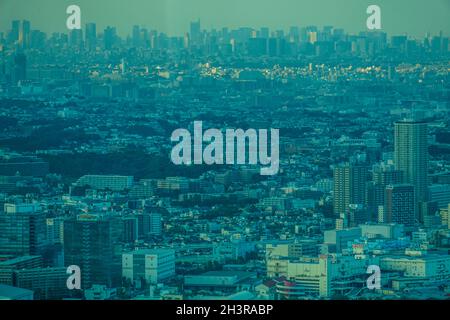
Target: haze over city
414,18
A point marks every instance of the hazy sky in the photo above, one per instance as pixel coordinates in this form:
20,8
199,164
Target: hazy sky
414,17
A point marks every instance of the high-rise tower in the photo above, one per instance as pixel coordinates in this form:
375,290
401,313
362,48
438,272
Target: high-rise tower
411,155
349,187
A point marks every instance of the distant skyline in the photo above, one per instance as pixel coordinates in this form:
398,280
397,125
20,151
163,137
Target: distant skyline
412,17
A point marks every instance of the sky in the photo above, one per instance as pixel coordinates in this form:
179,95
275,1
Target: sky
411,17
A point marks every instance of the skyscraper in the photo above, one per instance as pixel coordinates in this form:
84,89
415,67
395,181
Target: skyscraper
91,36
136,36
195,33
109,37
76,38
88,243
24,34
349,187
411,155
15,30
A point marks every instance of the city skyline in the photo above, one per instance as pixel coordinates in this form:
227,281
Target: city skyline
173,17
238,163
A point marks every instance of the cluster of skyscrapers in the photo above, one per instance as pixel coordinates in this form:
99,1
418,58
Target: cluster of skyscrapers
398,192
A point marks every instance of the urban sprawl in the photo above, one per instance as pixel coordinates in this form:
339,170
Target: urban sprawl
87,182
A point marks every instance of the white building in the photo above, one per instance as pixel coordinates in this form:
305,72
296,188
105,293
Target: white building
151,265
320,277
432,267
21,207
387,231
114,183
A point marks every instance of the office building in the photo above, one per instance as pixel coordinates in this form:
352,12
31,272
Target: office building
46,283
349,187
400,205
322,276
9,266
24,34
109,37
384,231
130,229
149,223
23,229
15,31
382,176
88,243
102,182
151,265
136,36
91,36
55,230
339,239
294,250
433,267
411,155
195,33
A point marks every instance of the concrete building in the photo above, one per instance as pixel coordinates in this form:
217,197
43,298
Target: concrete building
383,175
232,250
114,183
88,243
411,155
431,267
340,238
151,265
23,229
386,231
9,266
400,206
323,276
349,187
55,230
46,283
292,250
